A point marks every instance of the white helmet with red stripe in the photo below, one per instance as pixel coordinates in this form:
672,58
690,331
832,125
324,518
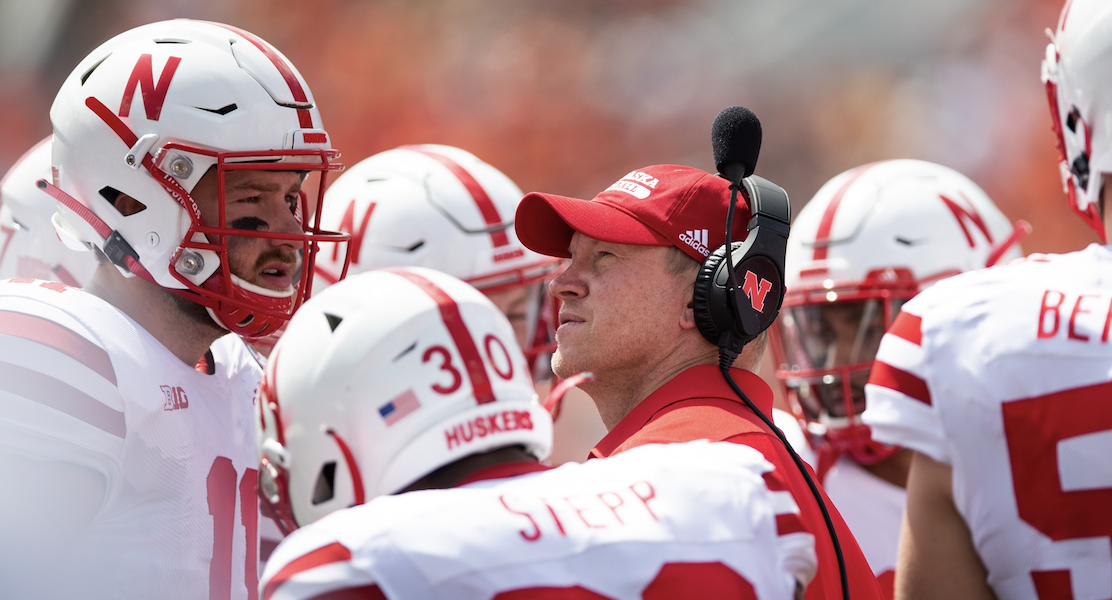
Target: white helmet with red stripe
380,380
441,207
1077,72
148,114
869,240
29,247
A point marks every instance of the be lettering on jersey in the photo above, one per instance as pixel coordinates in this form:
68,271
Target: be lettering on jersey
464,433
1077,317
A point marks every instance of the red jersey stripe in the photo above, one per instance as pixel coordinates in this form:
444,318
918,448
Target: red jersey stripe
478,194
62,397
908,327
62,339
367,592
822,237
453,320
790,523
775,482
332,553
886,375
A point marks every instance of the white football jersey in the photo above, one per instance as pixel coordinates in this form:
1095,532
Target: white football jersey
83,384
873,510
692,519
1005,374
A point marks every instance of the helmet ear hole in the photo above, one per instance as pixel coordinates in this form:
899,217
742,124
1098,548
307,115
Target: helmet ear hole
324,489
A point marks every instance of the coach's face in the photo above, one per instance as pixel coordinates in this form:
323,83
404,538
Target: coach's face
622,308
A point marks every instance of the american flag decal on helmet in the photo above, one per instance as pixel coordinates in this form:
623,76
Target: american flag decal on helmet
394,410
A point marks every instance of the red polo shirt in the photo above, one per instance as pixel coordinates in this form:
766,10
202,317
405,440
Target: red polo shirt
699,404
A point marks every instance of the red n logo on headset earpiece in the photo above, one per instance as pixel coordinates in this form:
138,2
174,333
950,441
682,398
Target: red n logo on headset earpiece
756,288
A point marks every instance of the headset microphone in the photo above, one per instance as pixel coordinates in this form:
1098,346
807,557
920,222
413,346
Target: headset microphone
730,316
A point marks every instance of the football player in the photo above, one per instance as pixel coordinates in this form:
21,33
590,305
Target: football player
1000,380
383,415
869,240
29,247
441,207
179,156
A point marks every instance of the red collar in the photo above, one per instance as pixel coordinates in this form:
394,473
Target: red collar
701,381
500,471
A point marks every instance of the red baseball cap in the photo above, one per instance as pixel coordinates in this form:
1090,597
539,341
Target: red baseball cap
660,205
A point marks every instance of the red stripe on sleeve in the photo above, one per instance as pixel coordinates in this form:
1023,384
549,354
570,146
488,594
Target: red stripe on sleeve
367,592
66,341
886,375
790,523
453,320
908,327
332,553
775,482
62,397
478,194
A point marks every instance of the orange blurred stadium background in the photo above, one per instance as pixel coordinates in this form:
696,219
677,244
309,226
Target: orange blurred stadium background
566,96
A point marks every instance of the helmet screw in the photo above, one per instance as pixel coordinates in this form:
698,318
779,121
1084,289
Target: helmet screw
152,239
130,160
190,263
181,167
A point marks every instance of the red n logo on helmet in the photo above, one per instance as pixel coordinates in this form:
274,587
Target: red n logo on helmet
347,225
961,214
756,288
143,76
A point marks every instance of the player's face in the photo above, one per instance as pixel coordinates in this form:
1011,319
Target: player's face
843,334
256,201
514,303
837,335
621,308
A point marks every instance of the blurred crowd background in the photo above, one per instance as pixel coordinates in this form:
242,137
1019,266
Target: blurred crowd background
566,96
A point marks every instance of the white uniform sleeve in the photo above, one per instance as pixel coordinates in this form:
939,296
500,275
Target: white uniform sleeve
309,563
899,408
58,395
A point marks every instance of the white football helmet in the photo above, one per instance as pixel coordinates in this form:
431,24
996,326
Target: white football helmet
148,114
869,240
441,207
29,246
1077,72
382,379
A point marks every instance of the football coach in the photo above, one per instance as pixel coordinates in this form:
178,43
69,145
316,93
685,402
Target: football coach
627,316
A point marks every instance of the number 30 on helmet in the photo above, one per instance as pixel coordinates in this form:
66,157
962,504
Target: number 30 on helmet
380,380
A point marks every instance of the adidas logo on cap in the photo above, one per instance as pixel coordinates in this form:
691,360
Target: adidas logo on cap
697,239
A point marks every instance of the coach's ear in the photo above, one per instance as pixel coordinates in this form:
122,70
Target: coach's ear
687,317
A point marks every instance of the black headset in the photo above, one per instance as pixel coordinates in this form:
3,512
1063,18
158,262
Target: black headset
730,316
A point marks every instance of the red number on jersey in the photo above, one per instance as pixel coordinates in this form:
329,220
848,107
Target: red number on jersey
222,504
1034,429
